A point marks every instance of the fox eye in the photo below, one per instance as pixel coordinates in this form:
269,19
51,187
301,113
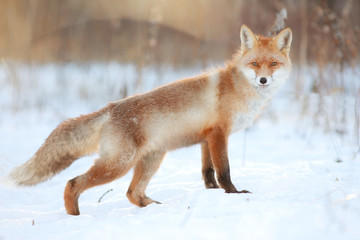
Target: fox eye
273,63
254,63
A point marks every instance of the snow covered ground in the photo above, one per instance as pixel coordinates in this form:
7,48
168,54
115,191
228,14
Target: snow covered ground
305,184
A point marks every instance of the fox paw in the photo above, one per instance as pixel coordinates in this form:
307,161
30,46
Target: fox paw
236,191
244,191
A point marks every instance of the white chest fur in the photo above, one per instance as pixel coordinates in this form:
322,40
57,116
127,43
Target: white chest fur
243,119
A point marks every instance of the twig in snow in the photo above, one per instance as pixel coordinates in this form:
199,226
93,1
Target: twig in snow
356,153
105,194
244,148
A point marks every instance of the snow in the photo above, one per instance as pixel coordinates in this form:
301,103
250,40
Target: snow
305,183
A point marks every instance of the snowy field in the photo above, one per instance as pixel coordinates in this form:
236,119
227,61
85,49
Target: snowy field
305,183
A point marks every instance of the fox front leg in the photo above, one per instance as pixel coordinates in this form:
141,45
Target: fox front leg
207,167
217,143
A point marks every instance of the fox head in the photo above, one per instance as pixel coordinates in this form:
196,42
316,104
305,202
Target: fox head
265,61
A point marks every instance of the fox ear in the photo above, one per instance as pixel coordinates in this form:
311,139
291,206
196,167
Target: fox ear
283,40
248,39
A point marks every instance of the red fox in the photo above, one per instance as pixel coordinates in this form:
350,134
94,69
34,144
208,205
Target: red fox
137,131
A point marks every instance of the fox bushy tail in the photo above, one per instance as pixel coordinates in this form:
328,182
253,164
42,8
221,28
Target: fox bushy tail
69,141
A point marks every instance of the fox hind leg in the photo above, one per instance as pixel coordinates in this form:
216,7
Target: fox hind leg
144,170
100,173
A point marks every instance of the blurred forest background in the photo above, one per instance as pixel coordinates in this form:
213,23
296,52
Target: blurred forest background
187,33
170,31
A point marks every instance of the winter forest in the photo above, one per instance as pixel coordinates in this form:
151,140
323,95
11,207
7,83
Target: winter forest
300,158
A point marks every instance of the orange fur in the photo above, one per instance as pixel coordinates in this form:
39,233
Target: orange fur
139,130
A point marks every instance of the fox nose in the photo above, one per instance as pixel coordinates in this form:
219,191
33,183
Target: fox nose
263,80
